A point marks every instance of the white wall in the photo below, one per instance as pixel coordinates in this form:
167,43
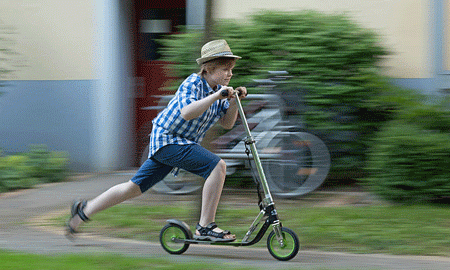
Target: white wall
113,99
74,88
54,38
447,36
403,25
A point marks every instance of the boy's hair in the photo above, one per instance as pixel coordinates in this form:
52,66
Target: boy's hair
215,63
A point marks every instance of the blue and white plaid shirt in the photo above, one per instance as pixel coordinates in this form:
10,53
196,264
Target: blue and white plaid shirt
170,128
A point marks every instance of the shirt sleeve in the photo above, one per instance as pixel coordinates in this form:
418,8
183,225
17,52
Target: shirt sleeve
224,107
187,93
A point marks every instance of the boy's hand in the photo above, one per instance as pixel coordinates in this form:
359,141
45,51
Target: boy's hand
228,92
242,92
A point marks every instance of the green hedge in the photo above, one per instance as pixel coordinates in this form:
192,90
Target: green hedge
38,165
334,64
410,157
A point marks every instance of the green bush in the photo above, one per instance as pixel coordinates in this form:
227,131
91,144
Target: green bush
15,173
409,161
26,170
333,62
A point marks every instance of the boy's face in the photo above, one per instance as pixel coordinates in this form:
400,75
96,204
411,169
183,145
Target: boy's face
220,75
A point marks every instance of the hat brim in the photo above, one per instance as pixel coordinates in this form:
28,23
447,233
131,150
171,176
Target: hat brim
206,59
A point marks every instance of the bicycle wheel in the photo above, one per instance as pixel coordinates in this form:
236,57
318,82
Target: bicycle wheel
169,234
184,183
302,166
290,245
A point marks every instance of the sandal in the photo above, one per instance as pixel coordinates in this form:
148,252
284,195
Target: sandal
76,209
207,234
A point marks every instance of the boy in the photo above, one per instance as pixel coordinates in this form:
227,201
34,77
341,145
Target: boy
175,142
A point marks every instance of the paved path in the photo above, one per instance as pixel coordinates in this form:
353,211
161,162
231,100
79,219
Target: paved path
21,211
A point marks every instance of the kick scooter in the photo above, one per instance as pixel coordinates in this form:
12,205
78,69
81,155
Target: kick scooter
282,243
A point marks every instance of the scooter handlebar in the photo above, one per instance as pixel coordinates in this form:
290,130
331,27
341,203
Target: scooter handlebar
224,92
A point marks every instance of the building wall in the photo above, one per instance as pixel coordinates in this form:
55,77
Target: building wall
113,98
442,45
446,42
446,37
72,88
54,38
402,24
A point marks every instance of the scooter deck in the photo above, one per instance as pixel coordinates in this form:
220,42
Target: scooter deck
212,239
211,242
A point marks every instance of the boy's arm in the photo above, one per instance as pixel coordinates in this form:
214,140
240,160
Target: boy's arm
197,108
228,120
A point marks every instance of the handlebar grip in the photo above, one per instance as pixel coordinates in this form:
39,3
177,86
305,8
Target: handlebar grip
224,93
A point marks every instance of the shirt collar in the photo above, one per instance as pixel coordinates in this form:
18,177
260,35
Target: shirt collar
208,88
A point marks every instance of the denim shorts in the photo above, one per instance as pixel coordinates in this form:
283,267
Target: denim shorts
192,158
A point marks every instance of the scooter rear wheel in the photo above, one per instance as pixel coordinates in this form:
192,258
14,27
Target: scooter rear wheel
168,236
290,248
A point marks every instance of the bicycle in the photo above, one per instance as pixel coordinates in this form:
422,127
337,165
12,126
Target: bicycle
296,162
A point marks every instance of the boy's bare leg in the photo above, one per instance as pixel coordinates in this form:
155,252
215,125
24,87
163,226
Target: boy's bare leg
111,197
212,190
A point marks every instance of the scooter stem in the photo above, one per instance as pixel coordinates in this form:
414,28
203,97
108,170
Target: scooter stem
268,200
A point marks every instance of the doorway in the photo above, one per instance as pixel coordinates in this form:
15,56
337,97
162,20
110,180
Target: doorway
152,20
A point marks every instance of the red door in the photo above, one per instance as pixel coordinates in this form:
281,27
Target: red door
153,20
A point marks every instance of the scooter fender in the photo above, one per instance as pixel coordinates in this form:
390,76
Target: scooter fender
183,225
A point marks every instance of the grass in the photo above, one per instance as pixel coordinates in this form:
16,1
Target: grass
400,230
22,261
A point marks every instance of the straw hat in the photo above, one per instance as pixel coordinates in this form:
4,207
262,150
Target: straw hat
215,49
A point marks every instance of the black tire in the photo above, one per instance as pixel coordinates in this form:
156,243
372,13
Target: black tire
291,245
170,232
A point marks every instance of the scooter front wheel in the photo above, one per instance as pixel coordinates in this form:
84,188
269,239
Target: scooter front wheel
290,246
171,238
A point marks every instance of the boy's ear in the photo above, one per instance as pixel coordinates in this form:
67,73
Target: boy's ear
208,68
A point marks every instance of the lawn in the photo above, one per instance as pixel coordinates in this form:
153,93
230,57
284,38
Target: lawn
400,230
22,261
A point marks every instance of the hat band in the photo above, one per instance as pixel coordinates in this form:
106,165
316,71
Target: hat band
222,54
